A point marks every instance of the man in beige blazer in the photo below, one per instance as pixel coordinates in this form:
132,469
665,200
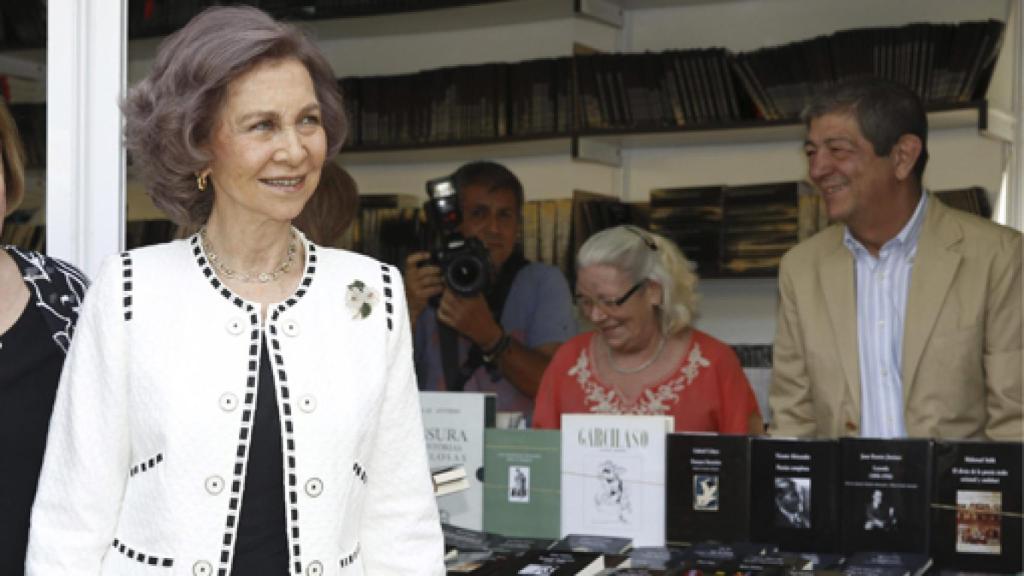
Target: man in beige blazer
957,359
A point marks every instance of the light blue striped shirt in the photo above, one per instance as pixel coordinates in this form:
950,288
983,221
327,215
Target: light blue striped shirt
882,285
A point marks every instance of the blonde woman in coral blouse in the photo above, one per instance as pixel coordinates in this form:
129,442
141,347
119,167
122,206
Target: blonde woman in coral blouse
643,356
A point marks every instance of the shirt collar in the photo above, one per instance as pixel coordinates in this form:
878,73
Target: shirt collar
906,239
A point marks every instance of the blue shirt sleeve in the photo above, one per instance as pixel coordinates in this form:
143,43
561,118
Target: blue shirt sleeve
539,306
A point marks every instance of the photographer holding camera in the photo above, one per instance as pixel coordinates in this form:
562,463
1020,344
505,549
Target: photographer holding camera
498,338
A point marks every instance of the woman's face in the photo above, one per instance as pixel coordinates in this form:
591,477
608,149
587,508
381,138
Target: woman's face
625,324
268,144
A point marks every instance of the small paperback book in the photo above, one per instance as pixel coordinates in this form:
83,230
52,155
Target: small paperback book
886,564
449,479
522,482
708,483
588,543
554,563
454,424
613,476
659,557
794,488
885,495
976,506
713,557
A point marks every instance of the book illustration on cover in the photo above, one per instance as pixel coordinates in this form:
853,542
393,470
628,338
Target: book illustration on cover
609,494
705,492
519,484
880,512
792,502
979,522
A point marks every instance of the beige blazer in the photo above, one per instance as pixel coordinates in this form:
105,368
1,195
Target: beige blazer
962,360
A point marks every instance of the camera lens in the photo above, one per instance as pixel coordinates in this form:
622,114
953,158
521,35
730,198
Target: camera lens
466,275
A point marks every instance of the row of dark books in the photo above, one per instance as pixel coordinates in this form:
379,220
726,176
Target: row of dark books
741,230
653,91
460,104
958,502
490,554
942,63
161,17
946,64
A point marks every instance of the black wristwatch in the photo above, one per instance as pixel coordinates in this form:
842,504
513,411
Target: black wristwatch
492,354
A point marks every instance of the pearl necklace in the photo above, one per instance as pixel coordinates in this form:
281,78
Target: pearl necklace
640,368
261,277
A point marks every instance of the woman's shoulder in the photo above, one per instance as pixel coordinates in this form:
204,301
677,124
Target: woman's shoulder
571,348
338,260
714,349
41,266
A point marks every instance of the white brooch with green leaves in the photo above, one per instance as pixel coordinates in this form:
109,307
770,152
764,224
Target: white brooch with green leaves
360,299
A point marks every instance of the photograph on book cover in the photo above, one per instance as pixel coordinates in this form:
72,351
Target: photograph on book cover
792,502
978,521
880,512
705,492
519,484
609,494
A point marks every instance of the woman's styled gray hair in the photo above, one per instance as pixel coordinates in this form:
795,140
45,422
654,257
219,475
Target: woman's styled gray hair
170,115
641,255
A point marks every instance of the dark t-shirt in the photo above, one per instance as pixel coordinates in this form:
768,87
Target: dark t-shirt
31,363
261,548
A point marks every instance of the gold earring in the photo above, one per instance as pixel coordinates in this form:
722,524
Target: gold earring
201,182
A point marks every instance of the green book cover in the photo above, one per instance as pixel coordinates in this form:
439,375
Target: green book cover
522,482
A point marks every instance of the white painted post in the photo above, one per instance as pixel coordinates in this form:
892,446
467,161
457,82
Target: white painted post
85,166
1015,189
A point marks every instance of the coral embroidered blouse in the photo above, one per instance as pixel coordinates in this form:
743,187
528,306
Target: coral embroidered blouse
707,393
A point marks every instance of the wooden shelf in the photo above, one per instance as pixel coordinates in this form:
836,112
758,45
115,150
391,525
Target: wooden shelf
605,147
974,115
548,146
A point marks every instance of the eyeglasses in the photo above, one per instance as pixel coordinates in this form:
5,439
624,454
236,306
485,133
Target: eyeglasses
587,304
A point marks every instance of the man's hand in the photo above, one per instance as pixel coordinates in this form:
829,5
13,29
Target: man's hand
469,316
422,282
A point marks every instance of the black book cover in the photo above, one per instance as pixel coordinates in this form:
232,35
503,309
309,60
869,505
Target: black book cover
713,557
658,557
885,494
794,493
552,563
976,505
886,564
708,488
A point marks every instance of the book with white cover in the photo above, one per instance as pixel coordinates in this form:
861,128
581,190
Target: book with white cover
613,476
454,424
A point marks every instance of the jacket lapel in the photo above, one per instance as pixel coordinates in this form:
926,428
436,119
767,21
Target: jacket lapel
836,277
935,265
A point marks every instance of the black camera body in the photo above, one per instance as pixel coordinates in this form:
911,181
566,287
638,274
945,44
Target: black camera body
465,262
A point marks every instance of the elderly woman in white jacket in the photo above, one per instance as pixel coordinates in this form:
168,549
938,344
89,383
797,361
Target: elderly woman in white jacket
242,401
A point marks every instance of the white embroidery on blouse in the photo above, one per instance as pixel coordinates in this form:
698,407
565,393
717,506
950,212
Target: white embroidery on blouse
37,274
658,400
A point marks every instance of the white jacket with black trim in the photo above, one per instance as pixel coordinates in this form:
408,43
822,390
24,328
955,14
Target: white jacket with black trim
145,463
